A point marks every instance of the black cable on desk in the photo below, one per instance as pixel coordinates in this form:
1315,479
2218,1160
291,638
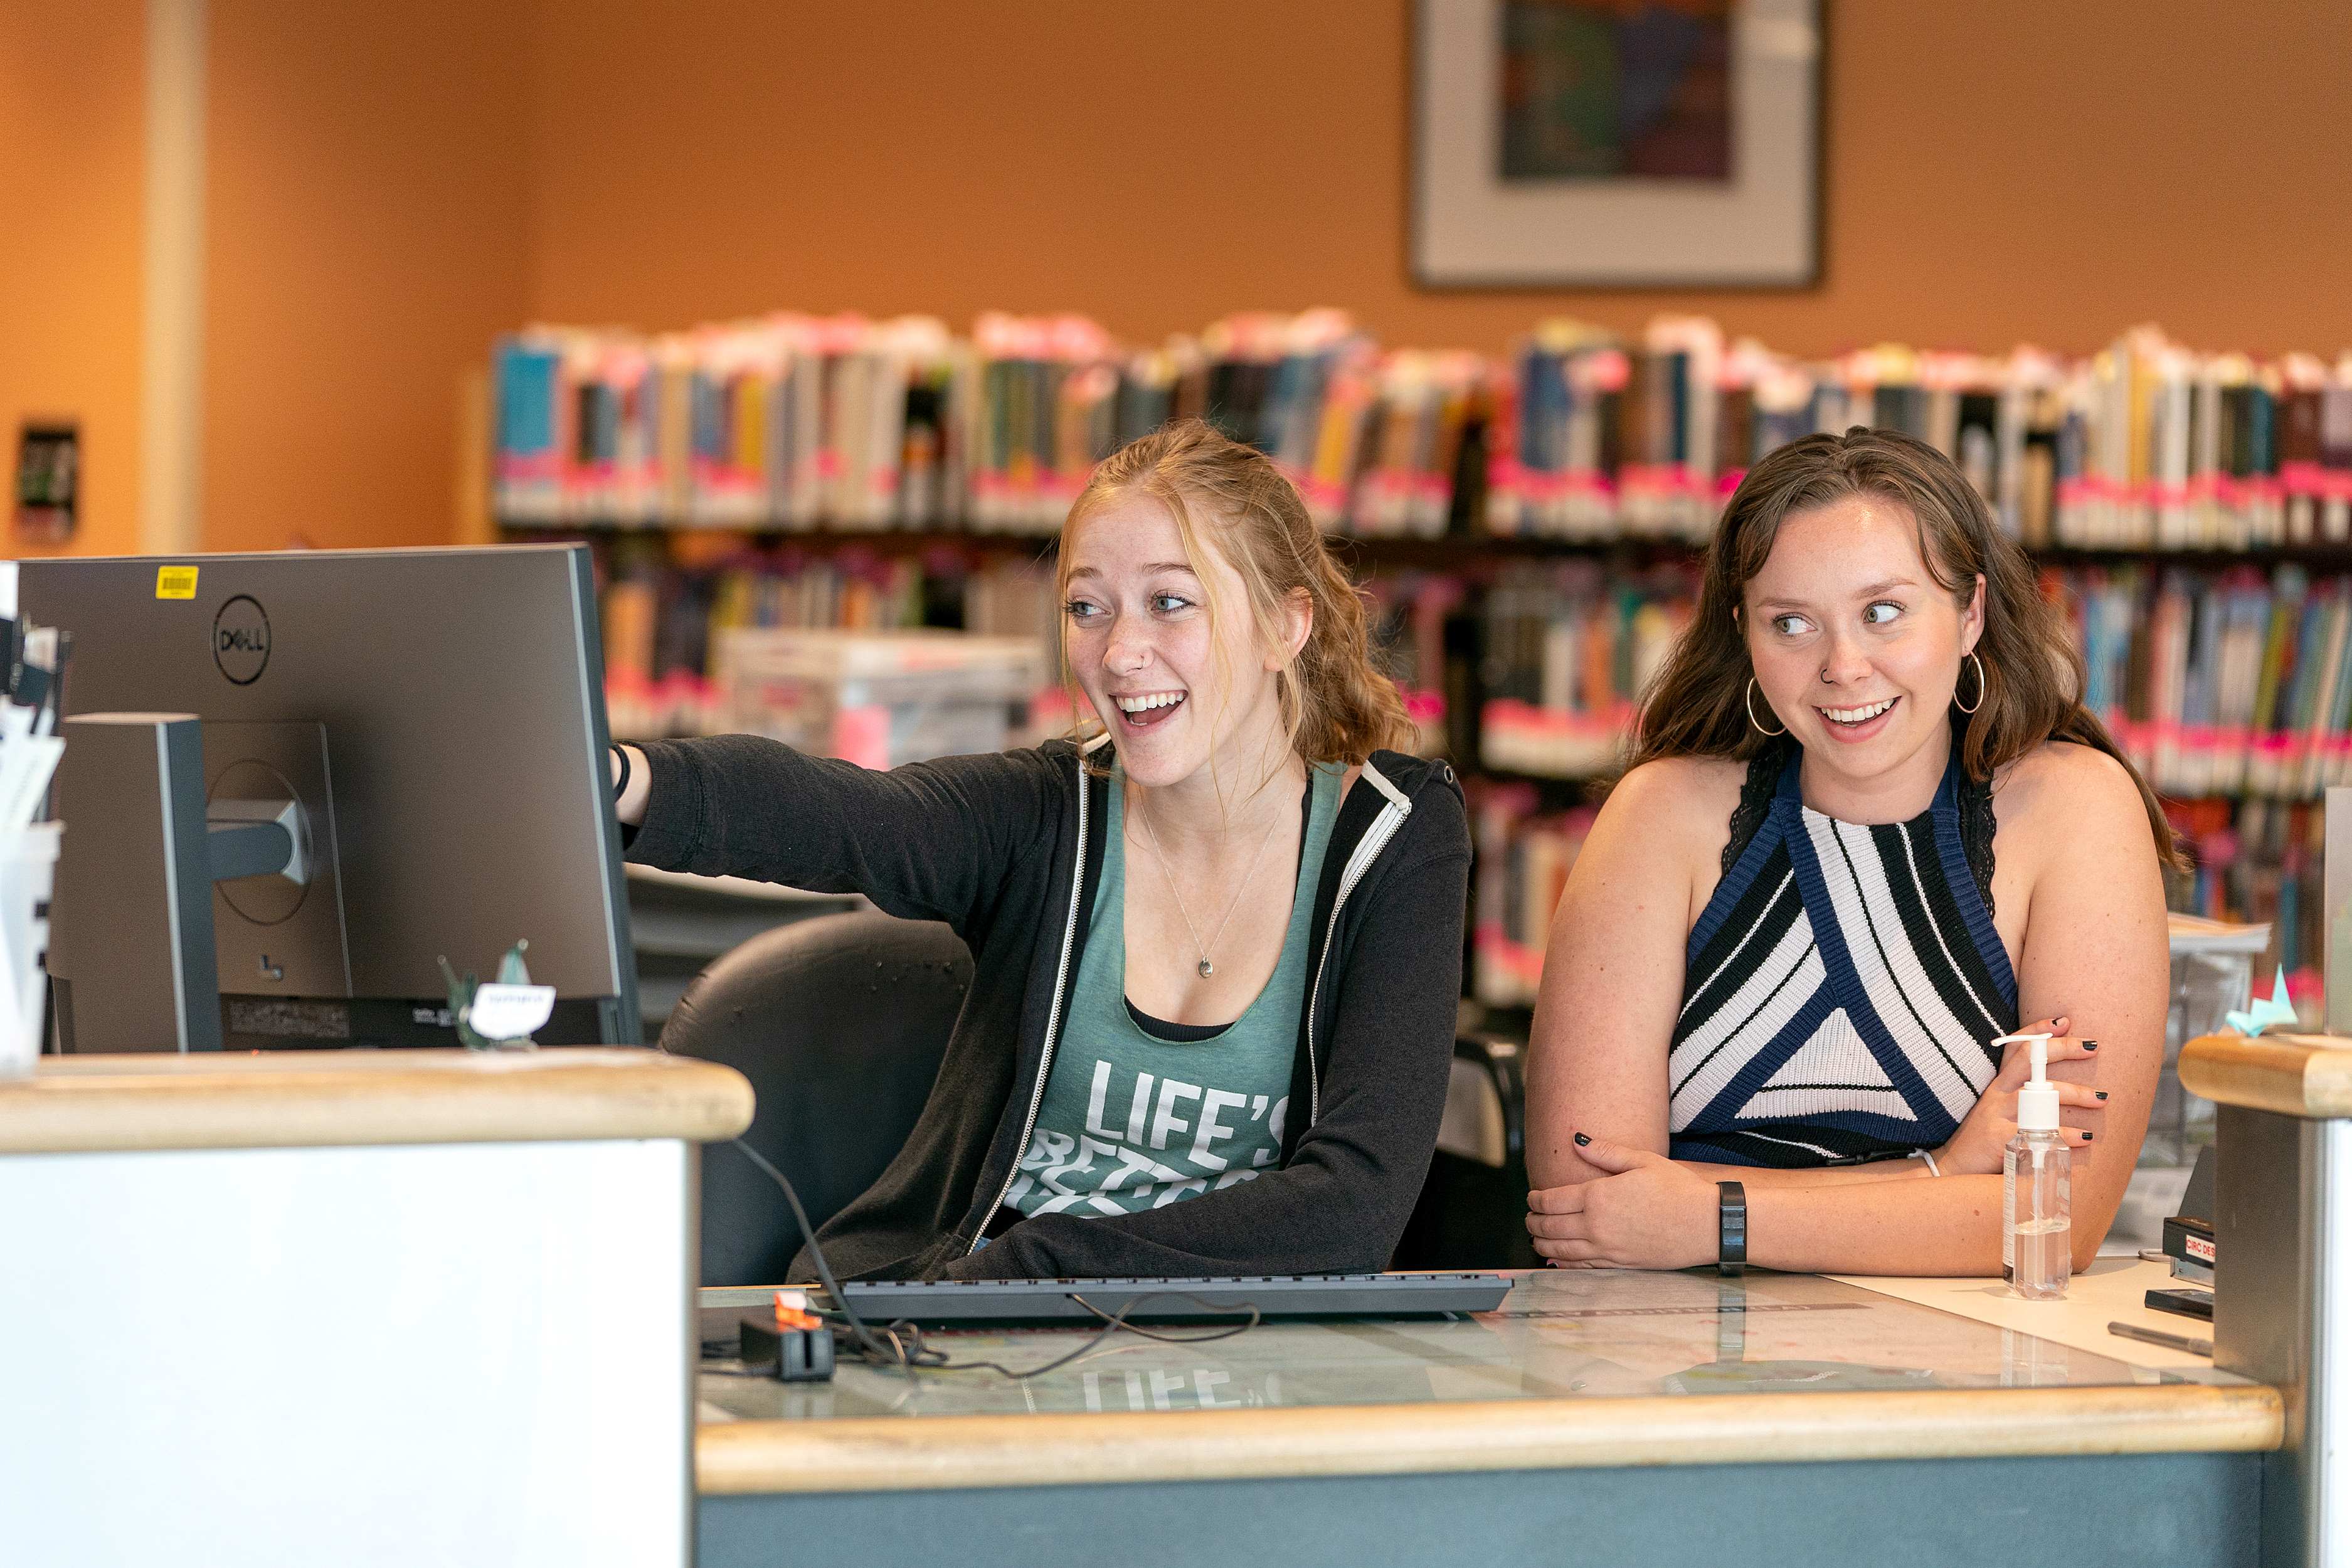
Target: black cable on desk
868,1345
910,1353
1112,1323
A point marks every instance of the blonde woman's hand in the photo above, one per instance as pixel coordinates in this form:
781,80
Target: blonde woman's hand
1976,1148
1647,1212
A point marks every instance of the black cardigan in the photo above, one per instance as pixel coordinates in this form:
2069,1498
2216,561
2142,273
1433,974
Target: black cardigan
992,845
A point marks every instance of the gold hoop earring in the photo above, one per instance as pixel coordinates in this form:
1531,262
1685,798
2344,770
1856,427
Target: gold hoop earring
1751,712
1981,688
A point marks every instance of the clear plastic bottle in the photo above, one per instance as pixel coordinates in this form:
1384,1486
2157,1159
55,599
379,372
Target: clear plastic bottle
2037,1238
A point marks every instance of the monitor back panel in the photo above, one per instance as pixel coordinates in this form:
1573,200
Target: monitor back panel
460,694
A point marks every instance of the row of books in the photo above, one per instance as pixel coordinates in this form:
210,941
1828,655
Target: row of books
2258,862
785,422
1522,856
2231,683
665,621
2234,682
1565,651
2147,444
796,422
662,620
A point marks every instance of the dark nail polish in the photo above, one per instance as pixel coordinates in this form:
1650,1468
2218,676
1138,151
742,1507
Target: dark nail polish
2086,1138
2090,1045
1581,1140
2101,1093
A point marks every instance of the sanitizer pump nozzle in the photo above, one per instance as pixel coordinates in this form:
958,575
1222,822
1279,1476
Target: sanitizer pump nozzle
2037,1101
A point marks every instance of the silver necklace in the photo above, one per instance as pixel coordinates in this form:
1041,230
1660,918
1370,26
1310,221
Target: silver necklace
1207,968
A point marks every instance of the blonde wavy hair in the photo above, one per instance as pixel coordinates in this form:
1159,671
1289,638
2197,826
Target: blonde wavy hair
1334,705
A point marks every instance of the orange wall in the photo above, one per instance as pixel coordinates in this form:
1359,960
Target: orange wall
365,238
1998,170
390,186
72,148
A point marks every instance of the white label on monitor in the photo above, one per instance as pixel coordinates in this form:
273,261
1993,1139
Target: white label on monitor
510,1011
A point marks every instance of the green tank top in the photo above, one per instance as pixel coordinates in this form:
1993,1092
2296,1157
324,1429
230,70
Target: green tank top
1130,1122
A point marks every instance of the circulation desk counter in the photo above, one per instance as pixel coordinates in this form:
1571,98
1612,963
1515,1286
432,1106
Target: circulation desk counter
353,1306
1598,1417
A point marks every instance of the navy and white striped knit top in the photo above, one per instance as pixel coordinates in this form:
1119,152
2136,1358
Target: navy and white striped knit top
1843,986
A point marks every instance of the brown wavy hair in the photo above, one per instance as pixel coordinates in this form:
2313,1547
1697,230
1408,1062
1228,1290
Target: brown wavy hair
1334,705
2034,676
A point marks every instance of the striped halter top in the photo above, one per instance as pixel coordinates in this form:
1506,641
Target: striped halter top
1843,986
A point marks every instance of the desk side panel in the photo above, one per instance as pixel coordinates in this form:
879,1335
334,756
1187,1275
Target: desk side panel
2143,1509
430,1353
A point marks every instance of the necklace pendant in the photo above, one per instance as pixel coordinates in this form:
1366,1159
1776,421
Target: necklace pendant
1207,969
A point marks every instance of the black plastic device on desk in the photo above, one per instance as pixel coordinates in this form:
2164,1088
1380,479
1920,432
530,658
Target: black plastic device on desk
2188,1243
1174,1299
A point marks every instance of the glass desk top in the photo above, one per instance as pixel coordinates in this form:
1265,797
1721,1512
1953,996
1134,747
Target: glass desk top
1559,1334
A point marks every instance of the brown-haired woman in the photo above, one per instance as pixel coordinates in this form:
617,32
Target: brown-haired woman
1216,941
1868,827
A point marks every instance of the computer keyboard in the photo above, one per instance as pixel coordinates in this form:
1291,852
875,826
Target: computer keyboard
1222,1300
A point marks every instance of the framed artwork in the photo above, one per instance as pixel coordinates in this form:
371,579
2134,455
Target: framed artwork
1616,142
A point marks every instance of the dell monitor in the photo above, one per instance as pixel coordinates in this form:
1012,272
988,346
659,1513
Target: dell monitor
428,728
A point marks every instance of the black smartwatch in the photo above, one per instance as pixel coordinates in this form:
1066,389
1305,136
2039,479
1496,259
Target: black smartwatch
1731,1228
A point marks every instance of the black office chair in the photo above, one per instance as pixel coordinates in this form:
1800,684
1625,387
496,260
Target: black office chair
1474,1209
839,1021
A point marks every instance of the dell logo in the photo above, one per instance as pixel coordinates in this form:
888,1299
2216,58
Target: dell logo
241,639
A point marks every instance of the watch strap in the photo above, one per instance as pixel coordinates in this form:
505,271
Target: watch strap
1731,1227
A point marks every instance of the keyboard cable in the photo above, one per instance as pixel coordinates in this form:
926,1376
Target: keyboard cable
909,1352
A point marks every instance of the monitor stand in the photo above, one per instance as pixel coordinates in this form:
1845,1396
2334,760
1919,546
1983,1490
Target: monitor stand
134,960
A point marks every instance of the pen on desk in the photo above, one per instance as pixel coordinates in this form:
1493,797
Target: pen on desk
2158,1337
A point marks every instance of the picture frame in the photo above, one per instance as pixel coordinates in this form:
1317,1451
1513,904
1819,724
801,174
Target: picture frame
1615,144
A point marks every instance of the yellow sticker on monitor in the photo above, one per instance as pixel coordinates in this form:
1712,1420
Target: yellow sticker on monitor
176,582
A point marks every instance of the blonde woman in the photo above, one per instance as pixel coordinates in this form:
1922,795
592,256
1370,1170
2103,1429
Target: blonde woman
1216,941
1870,827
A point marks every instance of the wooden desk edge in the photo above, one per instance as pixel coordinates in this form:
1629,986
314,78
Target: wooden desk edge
926,1453
2271,1072
326,1100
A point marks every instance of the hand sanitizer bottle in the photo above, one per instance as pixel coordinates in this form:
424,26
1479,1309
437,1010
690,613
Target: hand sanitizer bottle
2037,1242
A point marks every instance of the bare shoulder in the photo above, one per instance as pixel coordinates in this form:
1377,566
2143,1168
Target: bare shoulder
2061,792
1681,784
1685,801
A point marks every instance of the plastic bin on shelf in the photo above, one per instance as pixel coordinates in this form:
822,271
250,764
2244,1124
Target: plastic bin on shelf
878,698
2212,974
